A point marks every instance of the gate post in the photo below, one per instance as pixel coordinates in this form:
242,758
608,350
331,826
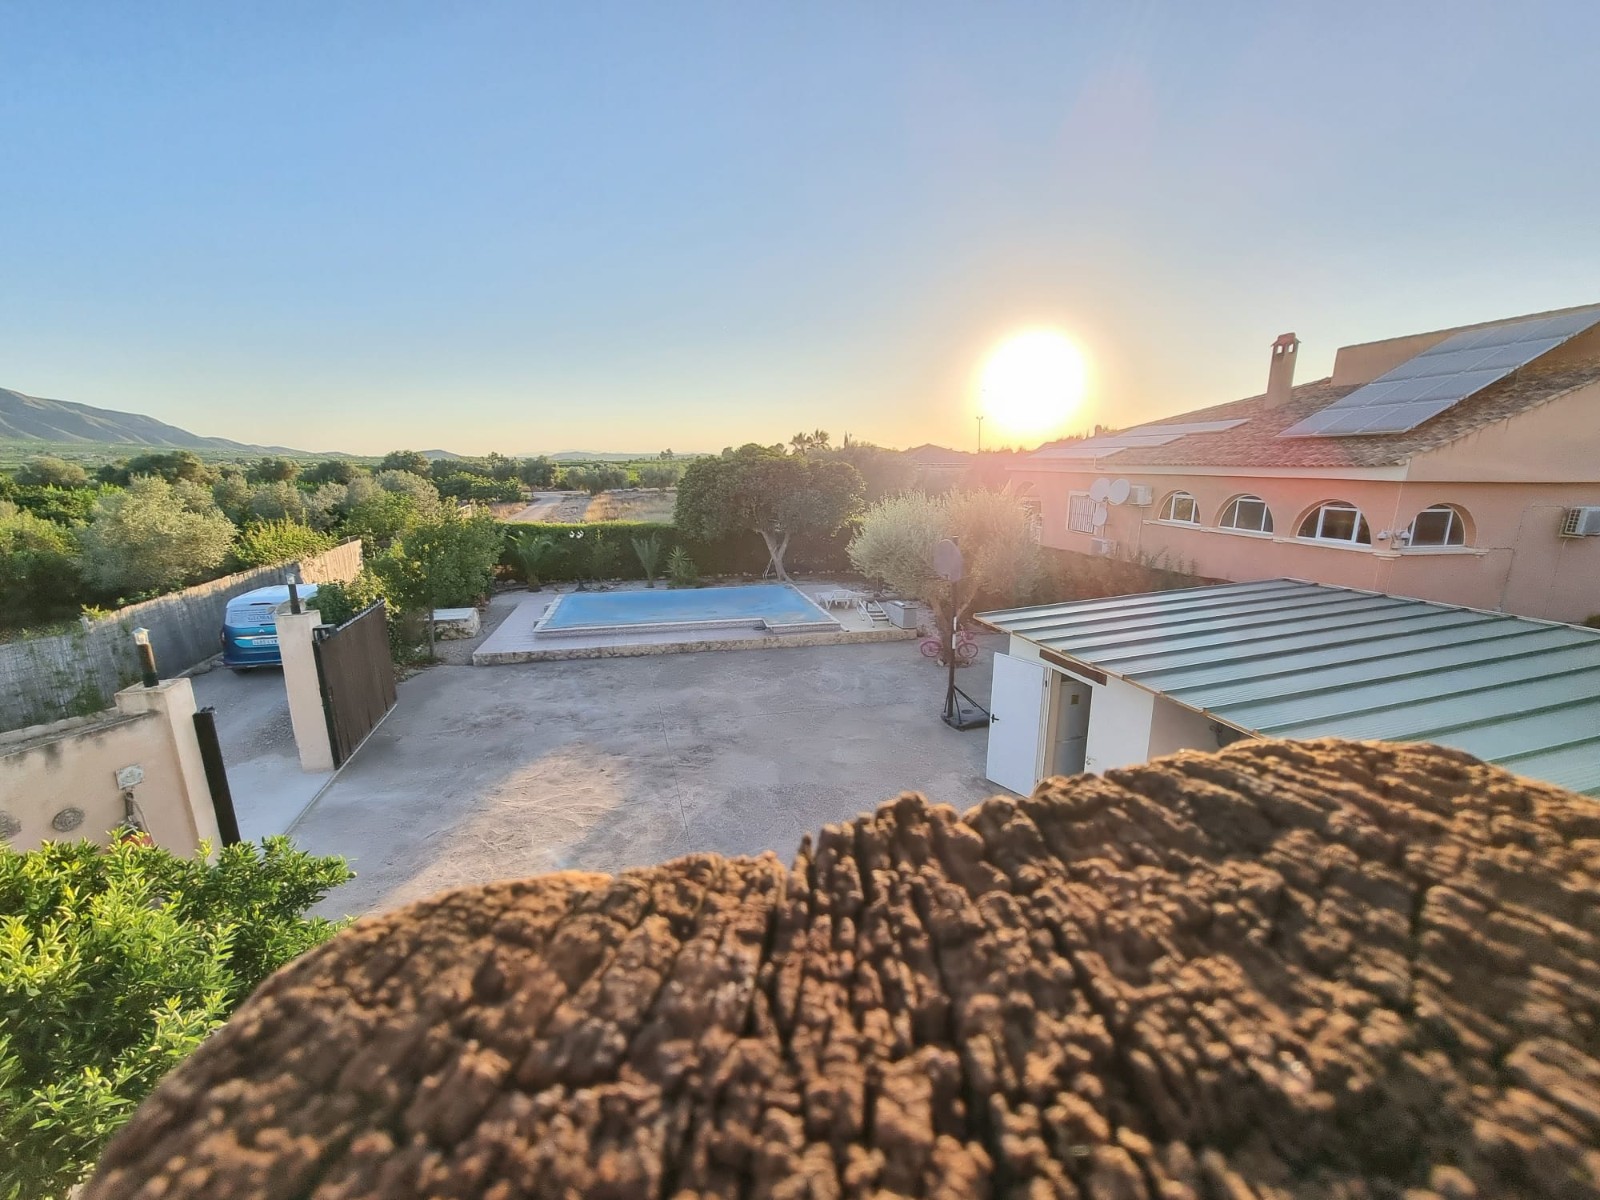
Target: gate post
300,680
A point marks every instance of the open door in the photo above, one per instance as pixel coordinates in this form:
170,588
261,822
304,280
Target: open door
1016,708
1069,725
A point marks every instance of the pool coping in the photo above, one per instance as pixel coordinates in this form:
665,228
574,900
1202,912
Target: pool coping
827,623
771,641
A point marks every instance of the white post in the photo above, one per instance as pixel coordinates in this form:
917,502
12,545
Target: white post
304,689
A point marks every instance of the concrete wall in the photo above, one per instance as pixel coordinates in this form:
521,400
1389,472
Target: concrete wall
59,781
47,679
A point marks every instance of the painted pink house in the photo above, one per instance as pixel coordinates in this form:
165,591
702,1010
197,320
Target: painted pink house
1422,467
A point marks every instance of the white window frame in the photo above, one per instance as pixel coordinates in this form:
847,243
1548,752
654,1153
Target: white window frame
1080,506
1170,504
1320,515
1453,524
1232,506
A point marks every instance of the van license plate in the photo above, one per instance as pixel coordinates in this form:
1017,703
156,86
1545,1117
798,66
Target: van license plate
266,641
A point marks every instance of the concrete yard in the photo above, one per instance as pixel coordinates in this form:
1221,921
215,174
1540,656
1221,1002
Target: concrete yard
490,773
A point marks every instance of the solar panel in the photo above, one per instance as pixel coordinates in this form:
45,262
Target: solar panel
1135,438
1460,366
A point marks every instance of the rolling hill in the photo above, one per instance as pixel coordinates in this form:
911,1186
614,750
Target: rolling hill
33,419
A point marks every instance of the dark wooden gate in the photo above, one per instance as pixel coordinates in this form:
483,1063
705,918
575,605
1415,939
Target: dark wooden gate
357,678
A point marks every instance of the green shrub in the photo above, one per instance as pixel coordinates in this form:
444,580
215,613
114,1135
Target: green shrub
742,554
154,537
681,569
114,965
46,470
264,543
479,489
64,506
39,574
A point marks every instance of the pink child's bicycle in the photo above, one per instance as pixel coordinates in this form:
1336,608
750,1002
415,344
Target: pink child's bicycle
966,648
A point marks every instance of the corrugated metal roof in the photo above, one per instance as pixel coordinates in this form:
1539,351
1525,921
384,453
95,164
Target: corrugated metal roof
1284,658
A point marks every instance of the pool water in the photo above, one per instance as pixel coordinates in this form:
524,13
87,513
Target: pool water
757,604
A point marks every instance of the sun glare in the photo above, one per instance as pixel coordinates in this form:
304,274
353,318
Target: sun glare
1032,384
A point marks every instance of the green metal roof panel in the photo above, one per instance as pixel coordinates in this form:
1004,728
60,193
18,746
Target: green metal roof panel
1287,658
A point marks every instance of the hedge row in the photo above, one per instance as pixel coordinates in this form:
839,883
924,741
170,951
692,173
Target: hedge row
745,554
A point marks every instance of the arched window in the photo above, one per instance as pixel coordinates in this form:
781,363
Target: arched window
1248,513
1336,521
1437,525
1180,506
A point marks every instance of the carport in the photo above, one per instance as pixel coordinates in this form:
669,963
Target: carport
1096,684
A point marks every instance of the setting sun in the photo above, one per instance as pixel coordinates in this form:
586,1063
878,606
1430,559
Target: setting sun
1032,384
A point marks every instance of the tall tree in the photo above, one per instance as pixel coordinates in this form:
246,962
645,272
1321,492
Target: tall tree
448,560
405,460
763,490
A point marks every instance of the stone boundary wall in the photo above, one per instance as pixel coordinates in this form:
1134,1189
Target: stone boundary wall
75,674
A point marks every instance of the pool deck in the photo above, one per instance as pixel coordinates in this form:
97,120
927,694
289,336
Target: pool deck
516,640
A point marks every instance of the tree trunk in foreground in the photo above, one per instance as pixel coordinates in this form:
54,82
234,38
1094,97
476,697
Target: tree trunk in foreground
776,551
1284,970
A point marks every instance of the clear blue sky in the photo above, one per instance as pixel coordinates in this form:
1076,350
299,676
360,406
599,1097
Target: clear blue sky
518,227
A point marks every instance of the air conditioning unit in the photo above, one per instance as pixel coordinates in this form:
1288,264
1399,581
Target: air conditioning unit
1102,546
1581,522
1139,496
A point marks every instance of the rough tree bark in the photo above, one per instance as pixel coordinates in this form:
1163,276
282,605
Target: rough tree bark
1284,970
776,550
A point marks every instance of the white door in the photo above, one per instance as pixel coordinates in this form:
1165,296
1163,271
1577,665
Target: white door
1016,707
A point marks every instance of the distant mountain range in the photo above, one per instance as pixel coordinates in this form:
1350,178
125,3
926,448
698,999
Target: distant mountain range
32,419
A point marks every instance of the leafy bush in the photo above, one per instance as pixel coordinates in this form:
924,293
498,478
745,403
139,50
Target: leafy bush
594,479
46,470
231,494
39,574
479,489
443,562
263,543
114,965
681,570
273,470
537,472
171,465
740,554
154,537
411,461
330,470
277,501
64,506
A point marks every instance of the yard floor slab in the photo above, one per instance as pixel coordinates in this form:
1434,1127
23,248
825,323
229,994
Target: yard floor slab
610,763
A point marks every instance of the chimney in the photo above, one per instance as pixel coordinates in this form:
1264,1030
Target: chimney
1280,377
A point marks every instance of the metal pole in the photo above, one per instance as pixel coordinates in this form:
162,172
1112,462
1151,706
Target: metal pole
980,435
205,730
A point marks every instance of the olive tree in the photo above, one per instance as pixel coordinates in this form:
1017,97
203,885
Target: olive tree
763,490
154,537
994,531
46,470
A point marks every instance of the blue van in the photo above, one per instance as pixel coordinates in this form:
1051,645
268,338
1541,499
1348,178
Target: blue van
250,626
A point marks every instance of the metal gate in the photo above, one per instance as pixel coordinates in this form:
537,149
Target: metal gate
356,675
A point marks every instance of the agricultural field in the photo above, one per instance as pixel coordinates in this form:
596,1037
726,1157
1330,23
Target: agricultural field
570,508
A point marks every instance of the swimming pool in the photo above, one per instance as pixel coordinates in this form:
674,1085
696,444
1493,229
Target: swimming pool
775,607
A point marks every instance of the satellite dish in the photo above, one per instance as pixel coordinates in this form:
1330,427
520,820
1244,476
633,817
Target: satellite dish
1101,512
1119,491
1099,490
947,561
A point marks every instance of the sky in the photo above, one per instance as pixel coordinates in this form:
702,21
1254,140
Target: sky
532,228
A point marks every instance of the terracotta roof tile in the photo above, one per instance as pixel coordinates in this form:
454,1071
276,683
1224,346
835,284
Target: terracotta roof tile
1256,442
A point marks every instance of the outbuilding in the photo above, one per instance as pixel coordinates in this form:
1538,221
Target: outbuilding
1095,684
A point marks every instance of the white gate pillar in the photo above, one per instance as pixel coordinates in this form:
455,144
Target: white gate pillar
305,690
